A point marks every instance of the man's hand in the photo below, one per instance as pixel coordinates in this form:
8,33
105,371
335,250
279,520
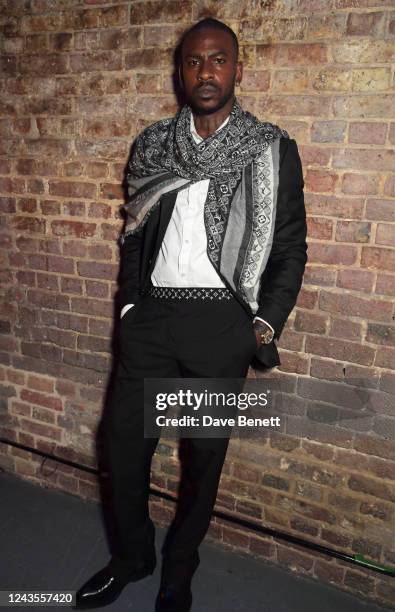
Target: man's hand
263,332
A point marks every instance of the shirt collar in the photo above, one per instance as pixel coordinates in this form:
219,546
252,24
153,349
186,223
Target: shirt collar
197,138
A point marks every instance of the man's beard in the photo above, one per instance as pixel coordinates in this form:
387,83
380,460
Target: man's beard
200,110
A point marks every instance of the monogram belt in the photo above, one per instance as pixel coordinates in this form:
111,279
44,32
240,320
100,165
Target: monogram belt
190,293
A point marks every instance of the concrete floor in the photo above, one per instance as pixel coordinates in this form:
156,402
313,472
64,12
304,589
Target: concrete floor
51,540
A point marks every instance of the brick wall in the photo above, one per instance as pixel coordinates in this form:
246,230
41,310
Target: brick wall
79,80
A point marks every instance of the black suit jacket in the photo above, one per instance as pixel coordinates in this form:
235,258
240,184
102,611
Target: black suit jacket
283,274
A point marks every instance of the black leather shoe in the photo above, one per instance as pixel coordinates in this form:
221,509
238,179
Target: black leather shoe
106,586
170,599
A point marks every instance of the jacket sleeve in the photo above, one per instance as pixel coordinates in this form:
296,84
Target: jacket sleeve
282,278
129,276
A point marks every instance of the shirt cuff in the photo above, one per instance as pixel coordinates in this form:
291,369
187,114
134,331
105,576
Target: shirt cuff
263,321
125,309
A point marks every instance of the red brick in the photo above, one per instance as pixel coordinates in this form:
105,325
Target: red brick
332,254
91,269
101,210
376,510
348,304
95,289
93,18
360,280
102,149
11,185
294,105
7,205
29,224
341,350
314,156
372,487
310,322
319,275
360,184
321,27
301,54
73,228
255,80
72,189
328,131
319,228
47,281
60,264
385,234
367,133
117,39
328,572
385,284
96,170
389,186
51,147
362,3
380,210
8,65
154,106
157,11
363,106
71,285
73,168
100,251
74,208
43,64
28,205
379,258
320,181
364,159
365,24
380,334
5,166
35,186
39,429
104,127
352,231
344,328
385,358
47,106
111,191
97,60
153,58
34,397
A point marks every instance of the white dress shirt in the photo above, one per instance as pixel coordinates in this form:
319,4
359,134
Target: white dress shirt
182,259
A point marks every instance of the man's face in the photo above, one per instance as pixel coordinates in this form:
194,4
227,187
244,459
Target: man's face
209,70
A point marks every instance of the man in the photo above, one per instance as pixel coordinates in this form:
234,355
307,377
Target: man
213,255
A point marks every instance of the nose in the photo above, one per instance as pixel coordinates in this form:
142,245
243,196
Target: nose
205,72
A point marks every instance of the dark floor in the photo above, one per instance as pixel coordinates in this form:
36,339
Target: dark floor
51,540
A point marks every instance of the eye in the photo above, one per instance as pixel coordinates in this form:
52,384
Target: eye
219,60
193,62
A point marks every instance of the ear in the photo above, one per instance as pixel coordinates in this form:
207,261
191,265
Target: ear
239,73
180,79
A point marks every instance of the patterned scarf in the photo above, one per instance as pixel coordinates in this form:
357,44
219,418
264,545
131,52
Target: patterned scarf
240,203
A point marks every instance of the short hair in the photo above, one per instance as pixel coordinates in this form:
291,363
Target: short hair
210,22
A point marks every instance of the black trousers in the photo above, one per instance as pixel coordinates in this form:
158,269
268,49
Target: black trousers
162,338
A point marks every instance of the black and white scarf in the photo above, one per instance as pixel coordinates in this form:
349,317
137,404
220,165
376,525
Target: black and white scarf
241,161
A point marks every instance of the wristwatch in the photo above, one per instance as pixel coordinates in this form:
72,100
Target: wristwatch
266,333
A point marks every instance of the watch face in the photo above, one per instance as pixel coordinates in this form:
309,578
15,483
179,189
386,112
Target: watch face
267,336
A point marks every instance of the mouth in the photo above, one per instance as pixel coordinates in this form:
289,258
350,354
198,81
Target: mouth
206,91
